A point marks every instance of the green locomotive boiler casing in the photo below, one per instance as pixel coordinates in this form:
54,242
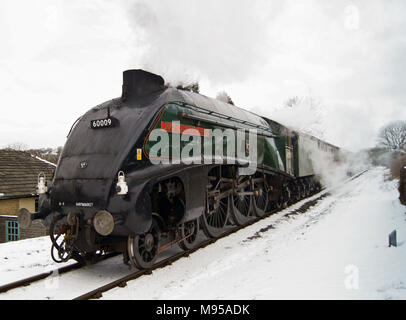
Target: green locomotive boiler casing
194,111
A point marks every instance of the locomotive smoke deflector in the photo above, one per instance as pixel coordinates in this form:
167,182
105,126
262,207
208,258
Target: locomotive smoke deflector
138,83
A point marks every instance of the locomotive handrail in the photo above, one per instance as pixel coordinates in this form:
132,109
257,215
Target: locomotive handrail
188,116
212,113
74,125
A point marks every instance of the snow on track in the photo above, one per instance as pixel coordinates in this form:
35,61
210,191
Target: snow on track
71,284
338,249
25,258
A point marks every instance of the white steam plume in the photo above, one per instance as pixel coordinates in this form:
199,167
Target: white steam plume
185,40
330,168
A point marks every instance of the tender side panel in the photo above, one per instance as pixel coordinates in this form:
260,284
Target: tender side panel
306,146
313,154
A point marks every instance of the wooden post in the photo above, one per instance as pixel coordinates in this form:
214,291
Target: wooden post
392,239
402,185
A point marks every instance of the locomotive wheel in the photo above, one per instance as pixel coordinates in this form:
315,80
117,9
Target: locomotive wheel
279,203
286,197
143,248
216,213
241,204
296,191
215,216
189,230
260,201
307,188
302,193
311,188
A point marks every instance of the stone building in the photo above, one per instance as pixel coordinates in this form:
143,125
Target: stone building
19,172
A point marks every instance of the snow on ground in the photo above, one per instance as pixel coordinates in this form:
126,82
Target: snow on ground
25,258
338,249
68,285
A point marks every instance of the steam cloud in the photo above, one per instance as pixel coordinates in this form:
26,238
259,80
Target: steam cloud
220,40
264,52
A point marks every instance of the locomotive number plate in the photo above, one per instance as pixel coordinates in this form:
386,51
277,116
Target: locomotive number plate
103,123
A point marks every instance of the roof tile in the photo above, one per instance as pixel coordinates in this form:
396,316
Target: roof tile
19,173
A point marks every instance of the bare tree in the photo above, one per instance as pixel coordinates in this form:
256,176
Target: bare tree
19,146
306,114
49,154
223,96
393,135
192,87
291,102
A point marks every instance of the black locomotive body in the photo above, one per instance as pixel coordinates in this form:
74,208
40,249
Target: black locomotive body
107,195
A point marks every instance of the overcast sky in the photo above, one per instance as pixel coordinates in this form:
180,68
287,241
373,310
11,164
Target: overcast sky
345,60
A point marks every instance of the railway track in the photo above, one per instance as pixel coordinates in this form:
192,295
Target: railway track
122,282
29,280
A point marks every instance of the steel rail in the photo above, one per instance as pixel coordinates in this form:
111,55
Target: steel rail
27,281
122,282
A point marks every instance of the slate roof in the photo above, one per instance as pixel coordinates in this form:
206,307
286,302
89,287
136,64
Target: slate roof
19,173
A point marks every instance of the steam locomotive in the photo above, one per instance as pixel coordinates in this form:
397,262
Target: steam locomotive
112,191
